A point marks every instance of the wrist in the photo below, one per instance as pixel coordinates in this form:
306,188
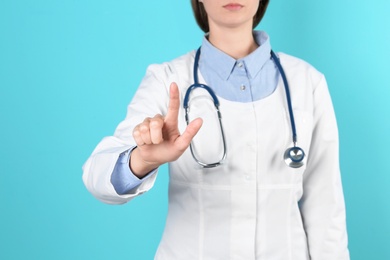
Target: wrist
140,167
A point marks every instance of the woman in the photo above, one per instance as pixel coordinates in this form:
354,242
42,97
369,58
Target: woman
252,205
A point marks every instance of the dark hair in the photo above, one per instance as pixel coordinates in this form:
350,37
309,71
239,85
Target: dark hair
201,15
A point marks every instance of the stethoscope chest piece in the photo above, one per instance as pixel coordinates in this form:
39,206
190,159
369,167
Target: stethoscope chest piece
294,156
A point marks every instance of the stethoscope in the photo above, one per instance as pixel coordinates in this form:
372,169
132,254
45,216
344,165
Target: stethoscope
293,156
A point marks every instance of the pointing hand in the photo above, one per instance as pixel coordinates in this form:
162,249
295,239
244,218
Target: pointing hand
159,140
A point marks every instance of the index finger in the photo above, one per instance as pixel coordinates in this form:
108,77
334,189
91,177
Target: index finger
174,105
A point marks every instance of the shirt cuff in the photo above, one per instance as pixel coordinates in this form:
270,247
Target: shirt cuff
122,178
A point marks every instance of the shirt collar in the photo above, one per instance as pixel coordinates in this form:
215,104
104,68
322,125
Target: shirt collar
214,59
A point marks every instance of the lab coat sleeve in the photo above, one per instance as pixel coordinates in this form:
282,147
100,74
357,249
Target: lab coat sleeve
151,98
322,204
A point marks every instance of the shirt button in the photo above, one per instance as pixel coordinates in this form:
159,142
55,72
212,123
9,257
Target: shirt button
242,87
240,64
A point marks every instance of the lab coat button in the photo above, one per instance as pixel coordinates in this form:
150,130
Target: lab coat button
247,177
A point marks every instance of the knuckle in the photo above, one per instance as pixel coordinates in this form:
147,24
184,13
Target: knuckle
146,120
144,128
136,133
157,122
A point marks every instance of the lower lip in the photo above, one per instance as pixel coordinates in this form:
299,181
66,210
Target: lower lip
233,7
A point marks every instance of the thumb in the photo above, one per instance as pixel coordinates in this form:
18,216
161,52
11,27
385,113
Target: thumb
184,140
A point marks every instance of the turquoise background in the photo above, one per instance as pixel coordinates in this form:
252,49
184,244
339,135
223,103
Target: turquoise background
69,68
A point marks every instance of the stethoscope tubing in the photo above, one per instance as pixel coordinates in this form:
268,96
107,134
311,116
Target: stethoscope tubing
288,96
216,104
293,156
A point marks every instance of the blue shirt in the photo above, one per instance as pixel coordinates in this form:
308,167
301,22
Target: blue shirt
248,79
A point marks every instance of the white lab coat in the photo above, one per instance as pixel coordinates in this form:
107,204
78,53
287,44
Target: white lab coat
253,206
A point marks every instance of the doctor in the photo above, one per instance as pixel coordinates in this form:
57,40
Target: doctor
252,205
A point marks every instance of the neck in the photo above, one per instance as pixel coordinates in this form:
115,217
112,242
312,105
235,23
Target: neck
236,42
